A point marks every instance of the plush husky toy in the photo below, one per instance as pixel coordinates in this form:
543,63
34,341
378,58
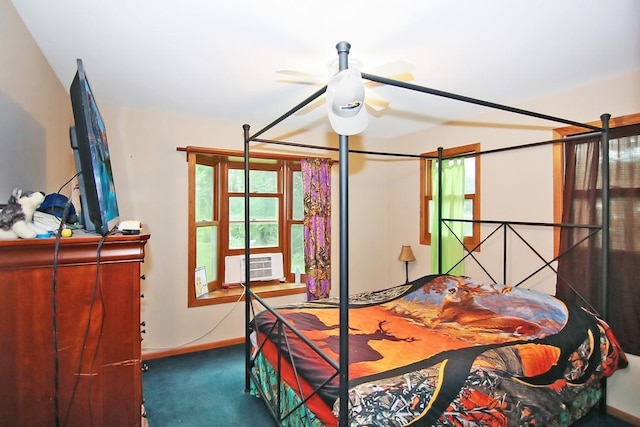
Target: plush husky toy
16,218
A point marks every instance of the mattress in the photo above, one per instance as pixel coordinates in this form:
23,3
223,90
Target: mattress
442,350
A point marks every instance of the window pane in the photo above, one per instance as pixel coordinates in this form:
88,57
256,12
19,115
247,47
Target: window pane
264,222
470,176
298,204
297,248
207,250
263,235
236,181
261,208
467,227
624,165
204,193
264,182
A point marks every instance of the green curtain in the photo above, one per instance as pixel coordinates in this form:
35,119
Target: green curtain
453,208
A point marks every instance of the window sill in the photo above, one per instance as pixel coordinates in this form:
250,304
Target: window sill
232,294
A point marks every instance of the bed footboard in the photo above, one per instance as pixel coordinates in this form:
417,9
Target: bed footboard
274,376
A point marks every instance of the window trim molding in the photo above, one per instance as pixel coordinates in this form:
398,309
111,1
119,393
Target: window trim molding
221,152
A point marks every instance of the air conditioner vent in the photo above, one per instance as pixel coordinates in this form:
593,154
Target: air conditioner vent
262,267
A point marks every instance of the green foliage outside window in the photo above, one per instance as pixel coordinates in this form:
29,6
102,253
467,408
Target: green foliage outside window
266,209
204,192
260,181
207,251
206,236
264,221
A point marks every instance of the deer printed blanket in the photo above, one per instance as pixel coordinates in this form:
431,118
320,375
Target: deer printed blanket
445,350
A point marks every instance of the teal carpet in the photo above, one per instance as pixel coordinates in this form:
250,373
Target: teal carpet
206,389
203,389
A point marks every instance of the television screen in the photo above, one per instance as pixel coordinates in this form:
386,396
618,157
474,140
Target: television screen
93,162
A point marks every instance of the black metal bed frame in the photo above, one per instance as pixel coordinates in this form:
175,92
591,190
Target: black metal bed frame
342,367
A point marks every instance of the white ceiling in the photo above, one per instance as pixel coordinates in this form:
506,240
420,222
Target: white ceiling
219,59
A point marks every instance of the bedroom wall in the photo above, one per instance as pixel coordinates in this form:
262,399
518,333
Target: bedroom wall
151,181
517,184
504,180
36,113
506,192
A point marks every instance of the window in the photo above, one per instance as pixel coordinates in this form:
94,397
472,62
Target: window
577,166
625,189
472,194
216,219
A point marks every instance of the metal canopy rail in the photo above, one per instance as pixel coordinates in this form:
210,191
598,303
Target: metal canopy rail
343,49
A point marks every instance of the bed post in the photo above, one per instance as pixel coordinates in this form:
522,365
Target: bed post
247,251
605,215
438,220
606,246
343,418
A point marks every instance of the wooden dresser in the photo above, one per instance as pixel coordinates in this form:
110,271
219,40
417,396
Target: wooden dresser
81,366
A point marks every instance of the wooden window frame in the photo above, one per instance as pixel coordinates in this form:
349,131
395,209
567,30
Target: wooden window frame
426,194
217,294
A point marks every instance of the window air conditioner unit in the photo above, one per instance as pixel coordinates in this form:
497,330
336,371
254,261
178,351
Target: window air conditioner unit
262,267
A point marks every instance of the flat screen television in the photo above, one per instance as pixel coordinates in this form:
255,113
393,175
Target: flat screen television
99,205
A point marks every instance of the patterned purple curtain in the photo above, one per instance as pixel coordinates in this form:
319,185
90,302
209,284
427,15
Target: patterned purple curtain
316,182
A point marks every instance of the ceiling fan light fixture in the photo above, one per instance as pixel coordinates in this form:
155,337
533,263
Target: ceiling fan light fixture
345,102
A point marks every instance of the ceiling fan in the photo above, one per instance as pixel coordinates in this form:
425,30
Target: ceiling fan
396,70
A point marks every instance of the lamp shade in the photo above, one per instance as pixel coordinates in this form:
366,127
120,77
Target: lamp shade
406,254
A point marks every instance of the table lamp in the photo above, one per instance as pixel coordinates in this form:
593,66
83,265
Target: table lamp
406,256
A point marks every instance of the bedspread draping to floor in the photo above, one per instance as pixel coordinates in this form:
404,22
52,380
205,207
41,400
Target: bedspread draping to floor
448,351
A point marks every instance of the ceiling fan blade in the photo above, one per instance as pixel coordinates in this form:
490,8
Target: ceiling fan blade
397,70
310,106
405,76
374,101
299,82
303,76
391,69
295,73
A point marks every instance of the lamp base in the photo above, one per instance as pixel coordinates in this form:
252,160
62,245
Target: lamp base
406,271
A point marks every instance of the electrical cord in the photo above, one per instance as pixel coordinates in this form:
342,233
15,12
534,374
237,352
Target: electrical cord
97,291
56,360
235,304
54,306
102,319
68,181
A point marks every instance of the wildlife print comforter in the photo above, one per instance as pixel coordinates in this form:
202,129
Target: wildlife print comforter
447,351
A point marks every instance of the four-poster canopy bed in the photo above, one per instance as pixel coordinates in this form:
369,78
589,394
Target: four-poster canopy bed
440,350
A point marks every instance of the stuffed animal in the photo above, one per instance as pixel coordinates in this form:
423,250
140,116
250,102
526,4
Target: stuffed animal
16,218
